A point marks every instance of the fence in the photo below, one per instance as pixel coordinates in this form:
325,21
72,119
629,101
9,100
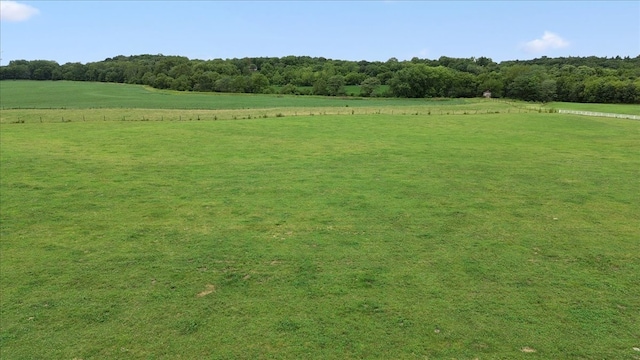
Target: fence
600,114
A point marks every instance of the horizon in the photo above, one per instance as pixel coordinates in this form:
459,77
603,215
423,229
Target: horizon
328,59
372,31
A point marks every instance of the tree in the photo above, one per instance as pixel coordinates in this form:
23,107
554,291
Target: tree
259,82
224,84
368,86
16,70
96,71
180,70
547,90
524,87
354,78
575,79
289,89
240,84
385,77
629,93
73,71
148,78
163,81
462,84
335,85
166,63
484,61
493,82
421,80
569,88
43,69
181,83
320,87
407,83
204,81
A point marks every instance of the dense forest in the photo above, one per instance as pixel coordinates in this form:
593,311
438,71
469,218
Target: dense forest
573,79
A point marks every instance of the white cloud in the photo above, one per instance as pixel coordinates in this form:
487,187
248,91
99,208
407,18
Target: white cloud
14,11
548,41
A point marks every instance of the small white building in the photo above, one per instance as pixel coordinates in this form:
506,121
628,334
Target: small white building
487,94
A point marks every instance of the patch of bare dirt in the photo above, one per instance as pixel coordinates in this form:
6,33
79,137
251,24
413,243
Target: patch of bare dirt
209,289
527,349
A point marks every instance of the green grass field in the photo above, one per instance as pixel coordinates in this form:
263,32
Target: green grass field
377,236
606,108
63,101
87,95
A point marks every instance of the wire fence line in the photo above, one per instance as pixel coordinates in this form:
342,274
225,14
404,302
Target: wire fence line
61,115
600,114
66,116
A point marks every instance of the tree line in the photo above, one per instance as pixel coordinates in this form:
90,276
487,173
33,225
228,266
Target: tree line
572,79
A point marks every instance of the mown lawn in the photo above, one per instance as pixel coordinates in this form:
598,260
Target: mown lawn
340,236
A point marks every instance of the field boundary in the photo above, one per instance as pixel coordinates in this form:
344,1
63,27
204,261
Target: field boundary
600,114
21,116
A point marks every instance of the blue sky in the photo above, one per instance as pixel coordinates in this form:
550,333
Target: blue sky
88,31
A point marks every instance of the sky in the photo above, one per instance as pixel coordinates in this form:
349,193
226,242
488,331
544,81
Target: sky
90,31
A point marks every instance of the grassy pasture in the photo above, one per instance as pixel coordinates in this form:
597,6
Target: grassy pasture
87,95
509,235
132,114
606,108
63,101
